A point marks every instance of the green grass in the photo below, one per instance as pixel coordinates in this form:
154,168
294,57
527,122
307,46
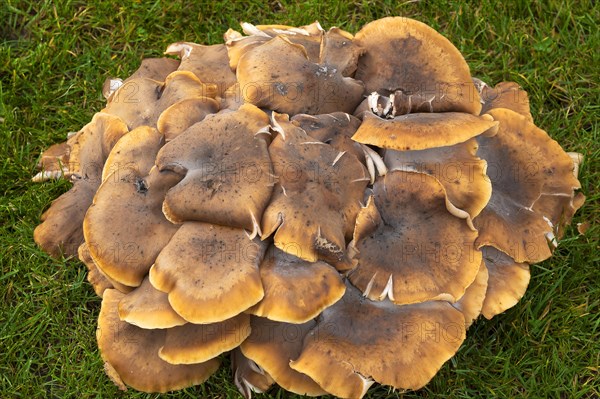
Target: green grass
54,58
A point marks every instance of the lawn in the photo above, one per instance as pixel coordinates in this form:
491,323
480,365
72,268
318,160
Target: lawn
54,57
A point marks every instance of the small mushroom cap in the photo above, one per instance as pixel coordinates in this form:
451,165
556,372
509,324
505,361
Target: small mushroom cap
132,354
248,376
310,172
338,49
179,116
523,164
421,131
53,163
228,179
149,308
99,281
295,290
507,95
136,150
357,339
471,302
126,224
279,75
272,345
139,102
209,63
61,231
457,168
210,272
196,343
409,246
558,210
507,283
407,55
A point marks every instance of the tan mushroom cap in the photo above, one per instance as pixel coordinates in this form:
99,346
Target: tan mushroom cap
558,210
409,246
131,357
61,231
507,283
240,45
357,339
506,95
228,174
126,225
248,376
421,131
136,150
92,144
311,173
197,343
151,68
209,63
338,49
99,281
471,302
279,75
457,168
296,290
179,116
53,163
272,345
407,55
140,102
147,307
210,272
523,164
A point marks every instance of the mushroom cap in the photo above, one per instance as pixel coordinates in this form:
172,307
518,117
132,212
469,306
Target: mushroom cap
457,168
523,164
409,246
295,290
279,75
507,282
61,232
53,163
210,272
130,353
421,131
209,63
147,307
228,178
197,343
311,172
248,376
183,114
99,281
407,55
357,339
272,345
558,210
338,49
126,223
471,303
507,95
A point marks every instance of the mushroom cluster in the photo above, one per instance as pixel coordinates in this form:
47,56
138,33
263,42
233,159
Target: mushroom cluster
329,210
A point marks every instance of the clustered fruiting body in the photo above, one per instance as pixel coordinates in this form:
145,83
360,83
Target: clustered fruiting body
331,209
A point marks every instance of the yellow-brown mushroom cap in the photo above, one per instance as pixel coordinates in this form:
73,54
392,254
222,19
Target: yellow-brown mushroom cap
131,354
471,303
210,272
421,131
507,95
405,54
357,339
272,345
183,114
296,290
409,246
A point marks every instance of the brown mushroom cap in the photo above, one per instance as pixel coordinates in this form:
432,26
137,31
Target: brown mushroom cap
248,376
197,343
409,246
356,339
421,131
558,210
457,168
126,225
209,63
228,176
523,164
338,49
279,75
149,308
407,55
53,163
183,114
210,272
99,281
311,173
507,282
131,354
506,95
272,345
296,290
471,302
